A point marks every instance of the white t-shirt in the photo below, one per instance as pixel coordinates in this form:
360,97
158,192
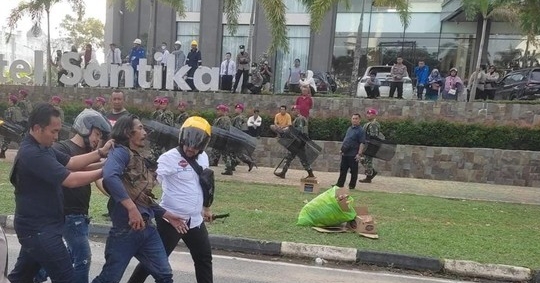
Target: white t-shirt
182,193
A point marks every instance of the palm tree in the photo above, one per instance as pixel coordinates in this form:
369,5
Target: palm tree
177,5
529,22
35,9
486,9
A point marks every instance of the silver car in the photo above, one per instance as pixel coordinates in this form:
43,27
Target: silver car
383,74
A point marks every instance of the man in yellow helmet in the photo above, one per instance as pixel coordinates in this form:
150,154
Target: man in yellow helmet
188,190
194,60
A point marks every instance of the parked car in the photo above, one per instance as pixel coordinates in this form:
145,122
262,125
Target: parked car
3,257
323,80
521,84
383,74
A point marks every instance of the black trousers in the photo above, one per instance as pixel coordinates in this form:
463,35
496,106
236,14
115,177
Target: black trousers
372,93
399,87
226,82
245,75
163,77
254,132
348,162
196,240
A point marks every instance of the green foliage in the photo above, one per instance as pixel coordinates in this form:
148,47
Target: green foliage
80,32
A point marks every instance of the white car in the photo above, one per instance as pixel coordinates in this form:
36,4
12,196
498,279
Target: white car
383,74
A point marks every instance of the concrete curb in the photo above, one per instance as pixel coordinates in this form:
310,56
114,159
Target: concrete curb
424,264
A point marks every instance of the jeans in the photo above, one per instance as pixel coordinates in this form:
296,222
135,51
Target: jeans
43,249
348,162
420,91
76,238
393,87
145,245
196,240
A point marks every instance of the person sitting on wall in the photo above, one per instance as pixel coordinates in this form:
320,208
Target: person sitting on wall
372,86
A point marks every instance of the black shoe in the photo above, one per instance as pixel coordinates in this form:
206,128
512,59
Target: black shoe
227,173
214,164
367,180
281,175
374,174
352,188
251,165
2,154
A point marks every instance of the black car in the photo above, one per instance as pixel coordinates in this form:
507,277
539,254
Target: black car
323,80
521,84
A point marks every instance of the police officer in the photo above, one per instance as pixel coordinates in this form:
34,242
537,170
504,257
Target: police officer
300,123
372,129
13,115
182,115
240,122
223,122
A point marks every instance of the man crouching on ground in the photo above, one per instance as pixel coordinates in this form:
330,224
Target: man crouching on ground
129,182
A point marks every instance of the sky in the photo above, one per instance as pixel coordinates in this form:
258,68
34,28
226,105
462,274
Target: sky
94,8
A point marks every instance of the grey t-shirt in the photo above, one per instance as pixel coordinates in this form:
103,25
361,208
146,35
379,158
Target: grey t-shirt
295,75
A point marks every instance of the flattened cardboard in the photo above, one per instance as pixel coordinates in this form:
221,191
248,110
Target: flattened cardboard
309,185
340,229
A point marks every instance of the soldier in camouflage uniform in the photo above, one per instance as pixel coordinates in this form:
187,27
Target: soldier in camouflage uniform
99,105
223,122
300,123
24,104
240,122
14,115
372,129
157,107
164,116
55,101
183,115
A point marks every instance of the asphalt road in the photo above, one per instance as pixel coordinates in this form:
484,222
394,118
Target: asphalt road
232,269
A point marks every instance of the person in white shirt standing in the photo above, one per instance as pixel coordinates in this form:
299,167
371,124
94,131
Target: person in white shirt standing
114,57
180,172
228,68
254,124
163,62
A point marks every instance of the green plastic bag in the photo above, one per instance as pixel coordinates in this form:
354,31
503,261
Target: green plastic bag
324,211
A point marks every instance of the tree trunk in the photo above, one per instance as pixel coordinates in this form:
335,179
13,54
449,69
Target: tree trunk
251,28
357,53
151,44
49,55
479,60
526,55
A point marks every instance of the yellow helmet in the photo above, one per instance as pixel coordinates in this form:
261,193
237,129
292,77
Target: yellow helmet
194,42
195,133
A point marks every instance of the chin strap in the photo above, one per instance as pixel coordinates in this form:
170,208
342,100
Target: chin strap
87,144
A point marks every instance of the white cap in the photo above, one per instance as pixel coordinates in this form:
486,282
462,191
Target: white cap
178,43
137,41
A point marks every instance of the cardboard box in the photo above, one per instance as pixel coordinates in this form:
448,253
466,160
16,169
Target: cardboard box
365,225
310,185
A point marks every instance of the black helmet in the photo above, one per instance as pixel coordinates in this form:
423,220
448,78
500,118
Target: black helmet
89,119
195,133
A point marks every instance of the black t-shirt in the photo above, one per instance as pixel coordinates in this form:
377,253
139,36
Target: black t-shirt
39,202
113,117
76,200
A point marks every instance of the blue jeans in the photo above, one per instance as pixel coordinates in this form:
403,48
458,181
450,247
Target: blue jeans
146,246
76,238
43,249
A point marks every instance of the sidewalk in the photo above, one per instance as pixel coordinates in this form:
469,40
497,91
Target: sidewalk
446,189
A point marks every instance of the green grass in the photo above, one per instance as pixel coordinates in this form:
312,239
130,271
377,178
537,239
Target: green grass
487,232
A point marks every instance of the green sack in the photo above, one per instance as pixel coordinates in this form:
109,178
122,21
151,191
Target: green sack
324,211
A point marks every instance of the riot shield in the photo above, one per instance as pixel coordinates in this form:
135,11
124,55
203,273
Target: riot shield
380,149
160,134
295,141
234,140
11,131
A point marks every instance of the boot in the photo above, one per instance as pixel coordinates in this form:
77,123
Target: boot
368,178
227,172
309,176
251,164
282,173
214,163
3,154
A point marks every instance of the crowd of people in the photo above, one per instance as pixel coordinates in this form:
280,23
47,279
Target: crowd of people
107,148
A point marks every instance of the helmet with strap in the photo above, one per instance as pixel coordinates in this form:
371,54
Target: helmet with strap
89,119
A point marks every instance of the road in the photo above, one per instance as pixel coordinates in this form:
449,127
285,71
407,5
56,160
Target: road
231,269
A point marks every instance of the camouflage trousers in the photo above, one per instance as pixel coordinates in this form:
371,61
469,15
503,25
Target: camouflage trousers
215,155
5,144
301,154
367,162
242,157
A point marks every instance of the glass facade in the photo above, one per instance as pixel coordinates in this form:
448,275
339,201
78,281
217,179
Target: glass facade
231,43
193,6
299,37
186,32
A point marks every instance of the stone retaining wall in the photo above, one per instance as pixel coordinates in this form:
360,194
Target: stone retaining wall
522,114
493,166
